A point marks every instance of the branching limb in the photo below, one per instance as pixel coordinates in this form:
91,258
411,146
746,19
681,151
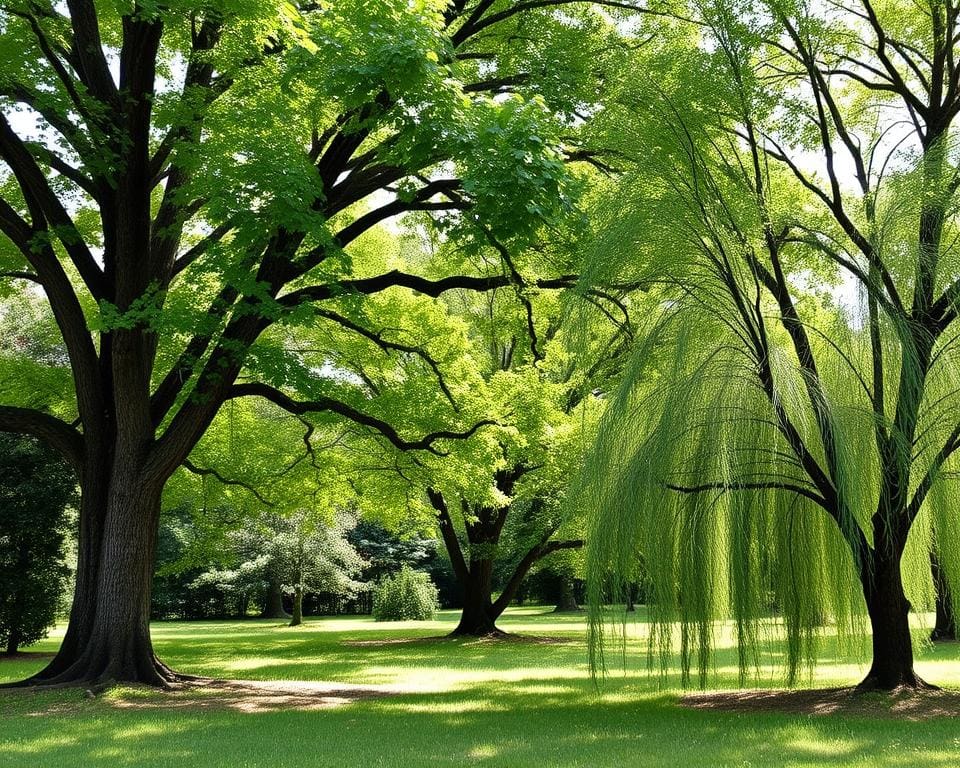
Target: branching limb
449,535
60,435
210,472
287,403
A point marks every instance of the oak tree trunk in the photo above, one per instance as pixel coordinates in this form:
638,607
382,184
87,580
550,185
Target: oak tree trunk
108,638
477,618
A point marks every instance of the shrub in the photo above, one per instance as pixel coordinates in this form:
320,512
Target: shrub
35,489
408,595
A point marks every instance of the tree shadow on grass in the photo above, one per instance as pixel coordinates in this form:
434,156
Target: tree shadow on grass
545,721
902,704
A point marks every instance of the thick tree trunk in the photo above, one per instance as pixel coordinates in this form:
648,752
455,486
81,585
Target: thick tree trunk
889,611
108,639
477,618
297,618
945,627
273,607
13,643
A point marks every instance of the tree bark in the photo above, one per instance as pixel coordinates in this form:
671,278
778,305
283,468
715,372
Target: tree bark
888,609
478,618
297,618
273,608
13,642
108,639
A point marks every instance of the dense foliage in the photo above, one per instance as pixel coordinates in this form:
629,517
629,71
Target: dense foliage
787,434
35,491
408,595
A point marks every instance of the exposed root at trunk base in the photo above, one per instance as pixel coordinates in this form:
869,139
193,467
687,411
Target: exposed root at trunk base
97,678
874,683
903,703
483,634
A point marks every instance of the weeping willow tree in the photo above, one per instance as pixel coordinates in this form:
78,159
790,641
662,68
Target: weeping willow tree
787,434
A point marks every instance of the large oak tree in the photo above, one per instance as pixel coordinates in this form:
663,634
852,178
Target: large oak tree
184,180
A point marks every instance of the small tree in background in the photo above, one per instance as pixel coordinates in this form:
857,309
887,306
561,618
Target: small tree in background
410,595
35,489
317,557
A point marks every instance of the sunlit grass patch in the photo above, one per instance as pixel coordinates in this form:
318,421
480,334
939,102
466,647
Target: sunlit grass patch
449,703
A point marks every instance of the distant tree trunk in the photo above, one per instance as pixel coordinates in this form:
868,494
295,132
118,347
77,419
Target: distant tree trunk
13,642
631,597
480,610
568,600
945,627
273,606
297,618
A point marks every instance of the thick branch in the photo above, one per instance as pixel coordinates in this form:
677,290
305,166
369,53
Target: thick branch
538,552
449,534
397,279
60,435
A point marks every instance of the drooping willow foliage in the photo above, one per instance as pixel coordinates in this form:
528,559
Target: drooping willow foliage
753,458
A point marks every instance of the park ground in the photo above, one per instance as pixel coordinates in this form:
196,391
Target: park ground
347,691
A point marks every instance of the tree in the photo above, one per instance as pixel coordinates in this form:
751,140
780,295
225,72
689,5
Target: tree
318,558
505,522
35,490
186,212
768,422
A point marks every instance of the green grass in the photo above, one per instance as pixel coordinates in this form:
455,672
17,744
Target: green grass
466,703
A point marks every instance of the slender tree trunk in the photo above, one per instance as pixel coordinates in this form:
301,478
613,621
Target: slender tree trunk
273,608
297,618
889,609
946,626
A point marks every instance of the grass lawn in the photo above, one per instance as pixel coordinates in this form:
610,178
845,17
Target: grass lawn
461,703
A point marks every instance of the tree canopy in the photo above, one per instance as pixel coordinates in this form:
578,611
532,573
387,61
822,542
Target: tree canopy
790,417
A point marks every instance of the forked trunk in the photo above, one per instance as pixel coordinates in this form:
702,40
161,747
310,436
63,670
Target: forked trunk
889,610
